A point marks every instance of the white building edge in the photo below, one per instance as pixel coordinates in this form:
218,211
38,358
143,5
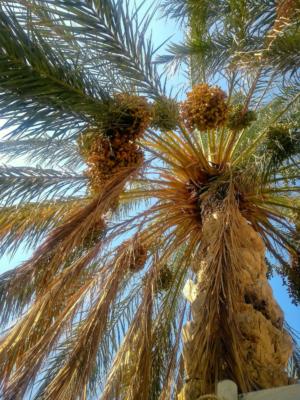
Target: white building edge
227,390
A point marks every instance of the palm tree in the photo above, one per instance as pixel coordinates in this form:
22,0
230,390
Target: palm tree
139,197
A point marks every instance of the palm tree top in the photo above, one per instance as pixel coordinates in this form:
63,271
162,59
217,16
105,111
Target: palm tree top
129,192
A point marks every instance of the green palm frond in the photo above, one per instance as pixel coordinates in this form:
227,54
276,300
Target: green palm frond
182,10
43,151
63,42
30,184
27,119
284,52
222,34
23,57
102,28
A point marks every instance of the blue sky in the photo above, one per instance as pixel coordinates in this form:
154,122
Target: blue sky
161,30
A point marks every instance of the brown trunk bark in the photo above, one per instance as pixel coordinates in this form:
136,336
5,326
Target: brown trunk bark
247,328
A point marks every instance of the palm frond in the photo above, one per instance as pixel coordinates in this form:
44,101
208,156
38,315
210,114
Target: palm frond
104,29
51,256
29,223
43,151
68,87
81,349
283,54
31,325
31,184
60,40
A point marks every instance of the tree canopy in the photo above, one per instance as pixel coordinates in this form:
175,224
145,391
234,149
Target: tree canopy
126,175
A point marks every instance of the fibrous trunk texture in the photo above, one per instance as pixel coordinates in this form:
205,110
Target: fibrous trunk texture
236,331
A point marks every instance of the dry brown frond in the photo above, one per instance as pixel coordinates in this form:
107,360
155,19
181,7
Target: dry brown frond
47,318
141,371
80,361
76,229
130,373
49,310
217,344
18,222
34,357
173,364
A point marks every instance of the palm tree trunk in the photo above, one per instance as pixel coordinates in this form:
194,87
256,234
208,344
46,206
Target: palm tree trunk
236,331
